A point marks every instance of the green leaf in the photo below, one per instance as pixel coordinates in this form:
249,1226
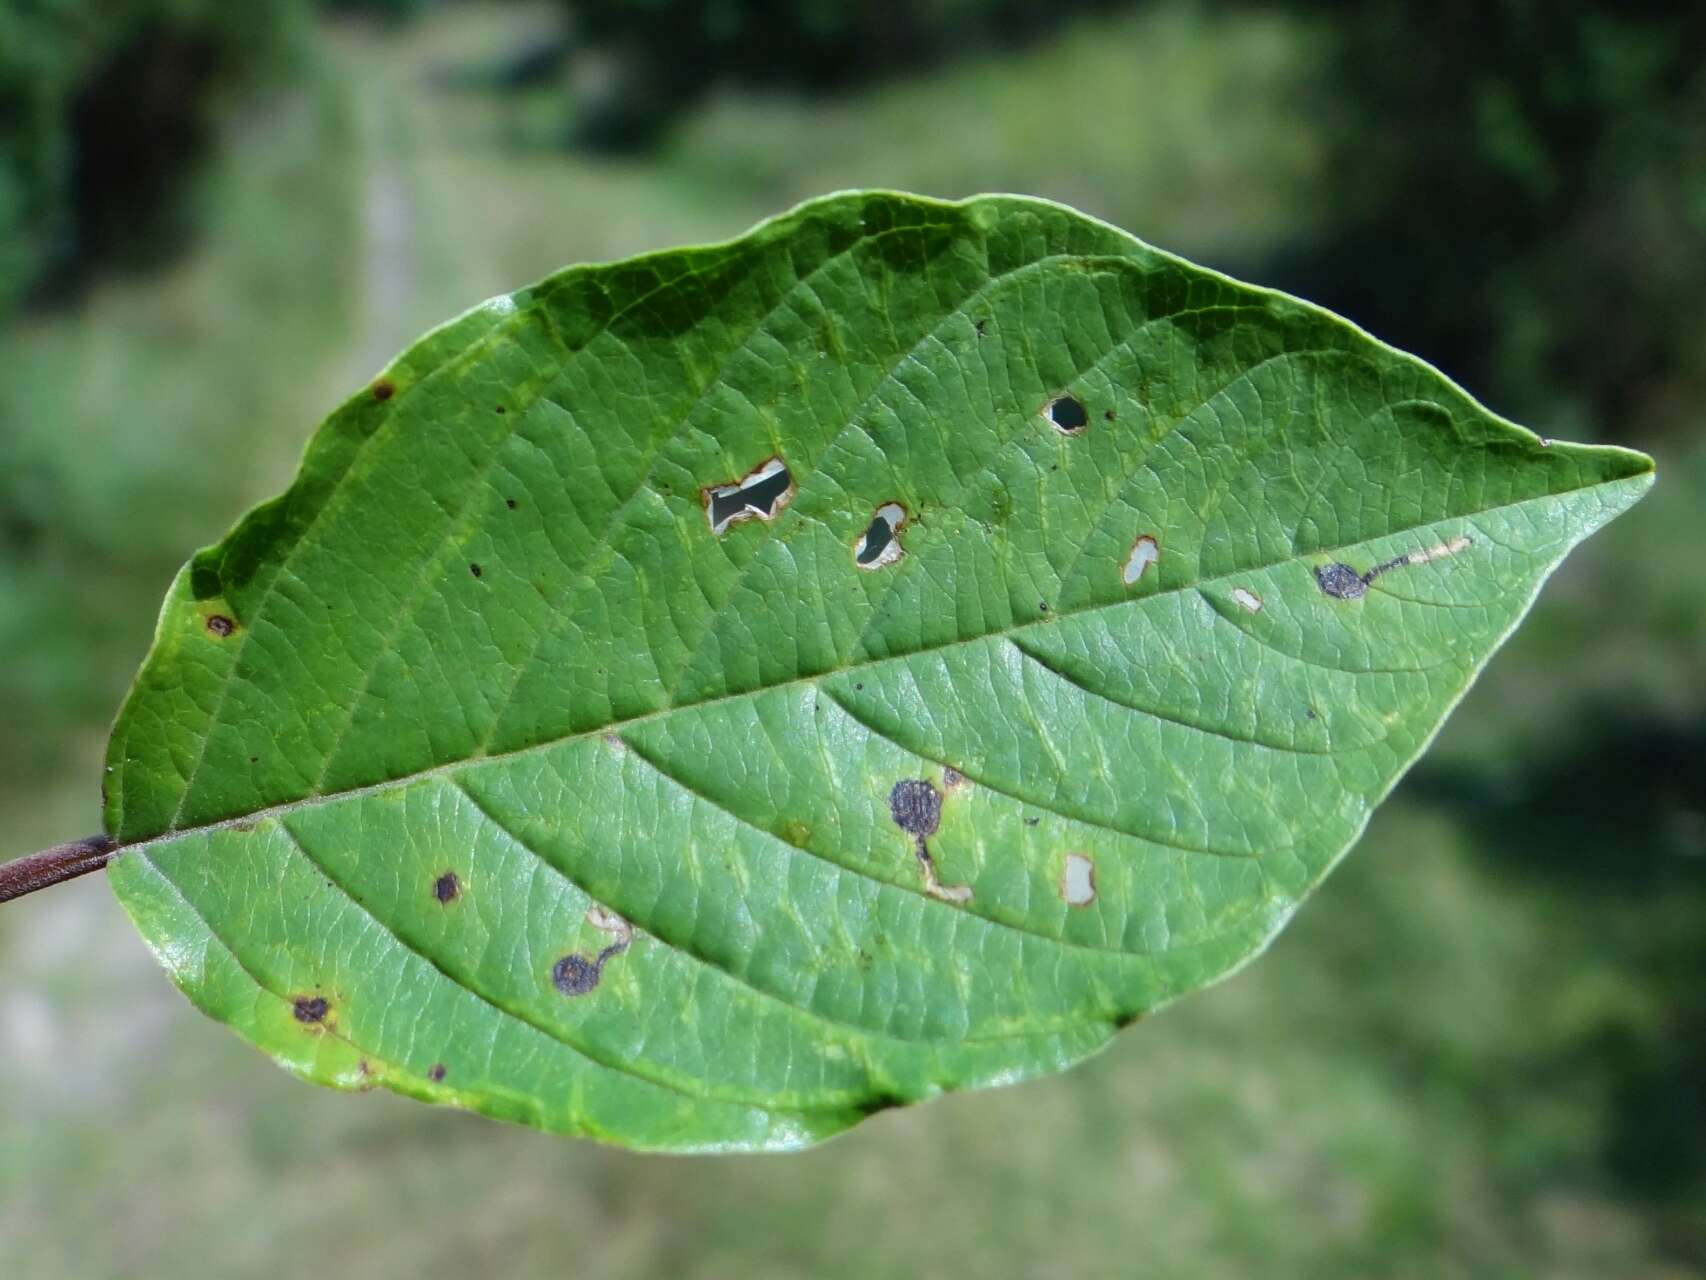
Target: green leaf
701,700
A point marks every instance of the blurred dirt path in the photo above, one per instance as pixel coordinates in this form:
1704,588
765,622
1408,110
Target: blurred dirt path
389,276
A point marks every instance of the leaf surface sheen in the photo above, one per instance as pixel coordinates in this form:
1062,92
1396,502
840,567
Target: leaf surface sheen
543,750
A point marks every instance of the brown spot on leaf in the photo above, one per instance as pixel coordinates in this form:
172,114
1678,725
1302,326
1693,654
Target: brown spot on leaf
384,389
220,625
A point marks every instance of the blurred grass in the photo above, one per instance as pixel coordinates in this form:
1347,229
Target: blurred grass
1474,1053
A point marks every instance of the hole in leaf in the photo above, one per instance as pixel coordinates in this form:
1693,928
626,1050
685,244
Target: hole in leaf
880,543
1068,414
760,494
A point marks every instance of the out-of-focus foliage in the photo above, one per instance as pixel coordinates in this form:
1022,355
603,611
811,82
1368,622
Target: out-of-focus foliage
1525,200
664,53
105,105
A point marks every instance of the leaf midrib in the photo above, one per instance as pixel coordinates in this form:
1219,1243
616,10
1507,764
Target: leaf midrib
237,821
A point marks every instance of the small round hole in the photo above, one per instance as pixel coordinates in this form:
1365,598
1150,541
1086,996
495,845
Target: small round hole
1068,414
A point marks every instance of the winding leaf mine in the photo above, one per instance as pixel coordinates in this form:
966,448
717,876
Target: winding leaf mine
577,741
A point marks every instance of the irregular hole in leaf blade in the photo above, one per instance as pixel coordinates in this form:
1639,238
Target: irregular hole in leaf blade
760,494
1144,552
1078,880
880,545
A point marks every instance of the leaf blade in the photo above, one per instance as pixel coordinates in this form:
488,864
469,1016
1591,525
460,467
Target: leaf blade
578,698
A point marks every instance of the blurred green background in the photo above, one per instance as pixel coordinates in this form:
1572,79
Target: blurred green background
1481,1050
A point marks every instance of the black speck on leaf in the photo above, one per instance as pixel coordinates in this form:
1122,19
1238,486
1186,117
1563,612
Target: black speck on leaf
476,570
435,1072
384,389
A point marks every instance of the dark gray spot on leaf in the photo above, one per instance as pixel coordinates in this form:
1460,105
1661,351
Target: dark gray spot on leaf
435,1072
575,975
311,1009
1341,581
446,887
1344,583
916,807
220,625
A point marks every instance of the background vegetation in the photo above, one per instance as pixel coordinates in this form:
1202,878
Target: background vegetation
1479,1051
